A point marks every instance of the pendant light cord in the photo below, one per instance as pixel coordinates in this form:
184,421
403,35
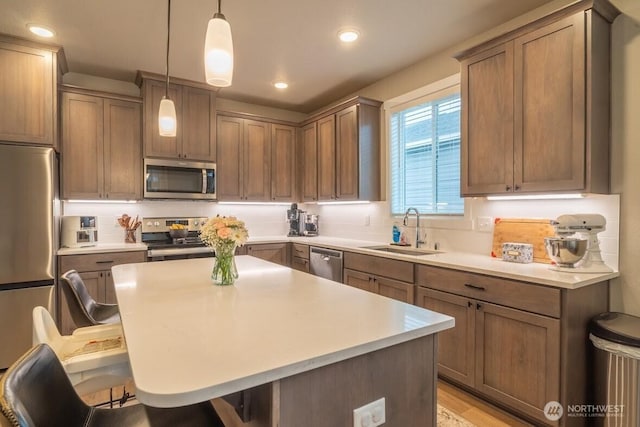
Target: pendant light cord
219,6
166,89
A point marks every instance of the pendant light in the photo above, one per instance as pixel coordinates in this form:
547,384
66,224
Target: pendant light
218,51
167,113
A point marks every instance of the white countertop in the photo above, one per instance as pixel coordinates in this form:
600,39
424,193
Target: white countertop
474,263
103,248
274,322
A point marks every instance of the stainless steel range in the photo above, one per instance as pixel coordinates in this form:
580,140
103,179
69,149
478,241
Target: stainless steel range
161,246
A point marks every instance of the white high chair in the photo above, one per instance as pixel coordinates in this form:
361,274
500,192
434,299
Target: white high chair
94,357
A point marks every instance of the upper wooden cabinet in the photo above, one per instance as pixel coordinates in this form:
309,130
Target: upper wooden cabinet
101,147
535,106
29,74
195,113
256,160
347,160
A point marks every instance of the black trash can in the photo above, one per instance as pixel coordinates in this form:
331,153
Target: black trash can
616,338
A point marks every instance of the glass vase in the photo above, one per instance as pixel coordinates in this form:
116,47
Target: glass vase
224,270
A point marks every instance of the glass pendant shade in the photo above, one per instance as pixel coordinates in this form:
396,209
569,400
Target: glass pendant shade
218,52
167,118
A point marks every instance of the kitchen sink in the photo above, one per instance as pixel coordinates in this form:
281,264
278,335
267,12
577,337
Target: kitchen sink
403,251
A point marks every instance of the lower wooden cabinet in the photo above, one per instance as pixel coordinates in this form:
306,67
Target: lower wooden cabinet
274,252
384,276
300,257
520,345
95,270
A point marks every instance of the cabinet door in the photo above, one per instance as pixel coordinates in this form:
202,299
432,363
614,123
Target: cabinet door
256,162
309,163
154,144
395,289
283,140
487,122
274,252
456,347
229,177
198,124
359,280
94,281
28,88
122,150
347,155
517,357
549,120
327,158
109,289
82,147
301,264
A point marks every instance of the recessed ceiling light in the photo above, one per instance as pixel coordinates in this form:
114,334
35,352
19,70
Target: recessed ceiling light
41,31
281,85
348,36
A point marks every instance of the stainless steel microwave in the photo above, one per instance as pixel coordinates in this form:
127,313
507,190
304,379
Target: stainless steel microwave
179,179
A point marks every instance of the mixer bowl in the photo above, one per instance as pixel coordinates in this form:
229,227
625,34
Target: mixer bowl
565,251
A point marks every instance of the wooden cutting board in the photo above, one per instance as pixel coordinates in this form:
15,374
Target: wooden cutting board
522,230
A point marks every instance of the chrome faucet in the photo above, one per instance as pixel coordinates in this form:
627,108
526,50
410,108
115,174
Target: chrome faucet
405,222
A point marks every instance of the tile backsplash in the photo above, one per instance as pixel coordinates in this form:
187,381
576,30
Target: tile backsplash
372,221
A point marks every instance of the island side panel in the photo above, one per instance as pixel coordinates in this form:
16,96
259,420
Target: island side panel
404,374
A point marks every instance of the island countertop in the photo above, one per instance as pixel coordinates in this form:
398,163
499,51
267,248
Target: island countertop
190,341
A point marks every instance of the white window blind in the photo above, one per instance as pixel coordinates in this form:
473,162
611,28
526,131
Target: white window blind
425,157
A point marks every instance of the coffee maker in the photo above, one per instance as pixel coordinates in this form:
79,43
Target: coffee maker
310,225
295,217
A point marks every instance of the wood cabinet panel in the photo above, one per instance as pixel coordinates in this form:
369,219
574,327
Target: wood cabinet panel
301,264
256,160
309,160
525,296
359,280
347,171
395,289
487,121
274,252
326,158
28,79
300,250
82,147
94,282
456,346
101,261
229,176
122,150
283,155
199,124
529,345
101,148
154,144
549,144
379,266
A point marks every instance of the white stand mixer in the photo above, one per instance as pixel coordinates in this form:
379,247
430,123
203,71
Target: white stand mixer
586,226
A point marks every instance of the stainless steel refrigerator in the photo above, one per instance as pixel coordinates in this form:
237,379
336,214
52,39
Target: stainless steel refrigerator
29,208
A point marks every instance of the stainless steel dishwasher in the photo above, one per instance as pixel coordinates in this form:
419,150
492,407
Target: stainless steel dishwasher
326,263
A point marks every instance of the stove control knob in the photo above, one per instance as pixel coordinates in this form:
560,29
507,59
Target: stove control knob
156,224
149,223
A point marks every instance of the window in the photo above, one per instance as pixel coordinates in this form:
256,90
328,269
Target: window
425,156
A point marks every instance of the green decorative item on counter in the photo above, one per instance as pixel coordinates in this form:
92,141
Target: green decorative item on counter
224,234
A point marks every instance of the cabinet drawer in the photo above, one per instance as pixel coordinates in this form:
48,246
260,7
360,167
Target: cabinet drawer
300,250
512,293
394,269
97,262
299,263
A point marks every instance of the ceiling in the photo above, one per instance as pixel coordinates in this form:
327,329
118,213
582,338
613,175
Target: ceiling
291,40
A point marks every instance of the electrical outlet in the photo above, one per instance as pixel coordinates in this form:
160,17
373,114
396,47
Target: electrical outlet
484,223
370,415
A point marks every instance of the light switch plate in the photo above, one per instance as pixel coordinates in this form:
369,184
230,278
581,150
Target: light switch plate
370,415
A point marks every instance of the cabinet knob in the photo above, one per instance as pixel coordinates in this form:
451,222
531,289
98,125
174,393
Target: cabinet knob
469,304
478,306
508,188
517,188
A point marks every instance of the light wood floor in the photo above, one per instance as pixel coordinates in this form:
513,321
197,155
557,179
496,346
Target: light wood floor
473,409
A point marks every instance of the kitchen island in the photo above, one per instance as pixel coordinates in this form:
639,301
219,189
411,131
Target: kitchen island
310,350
